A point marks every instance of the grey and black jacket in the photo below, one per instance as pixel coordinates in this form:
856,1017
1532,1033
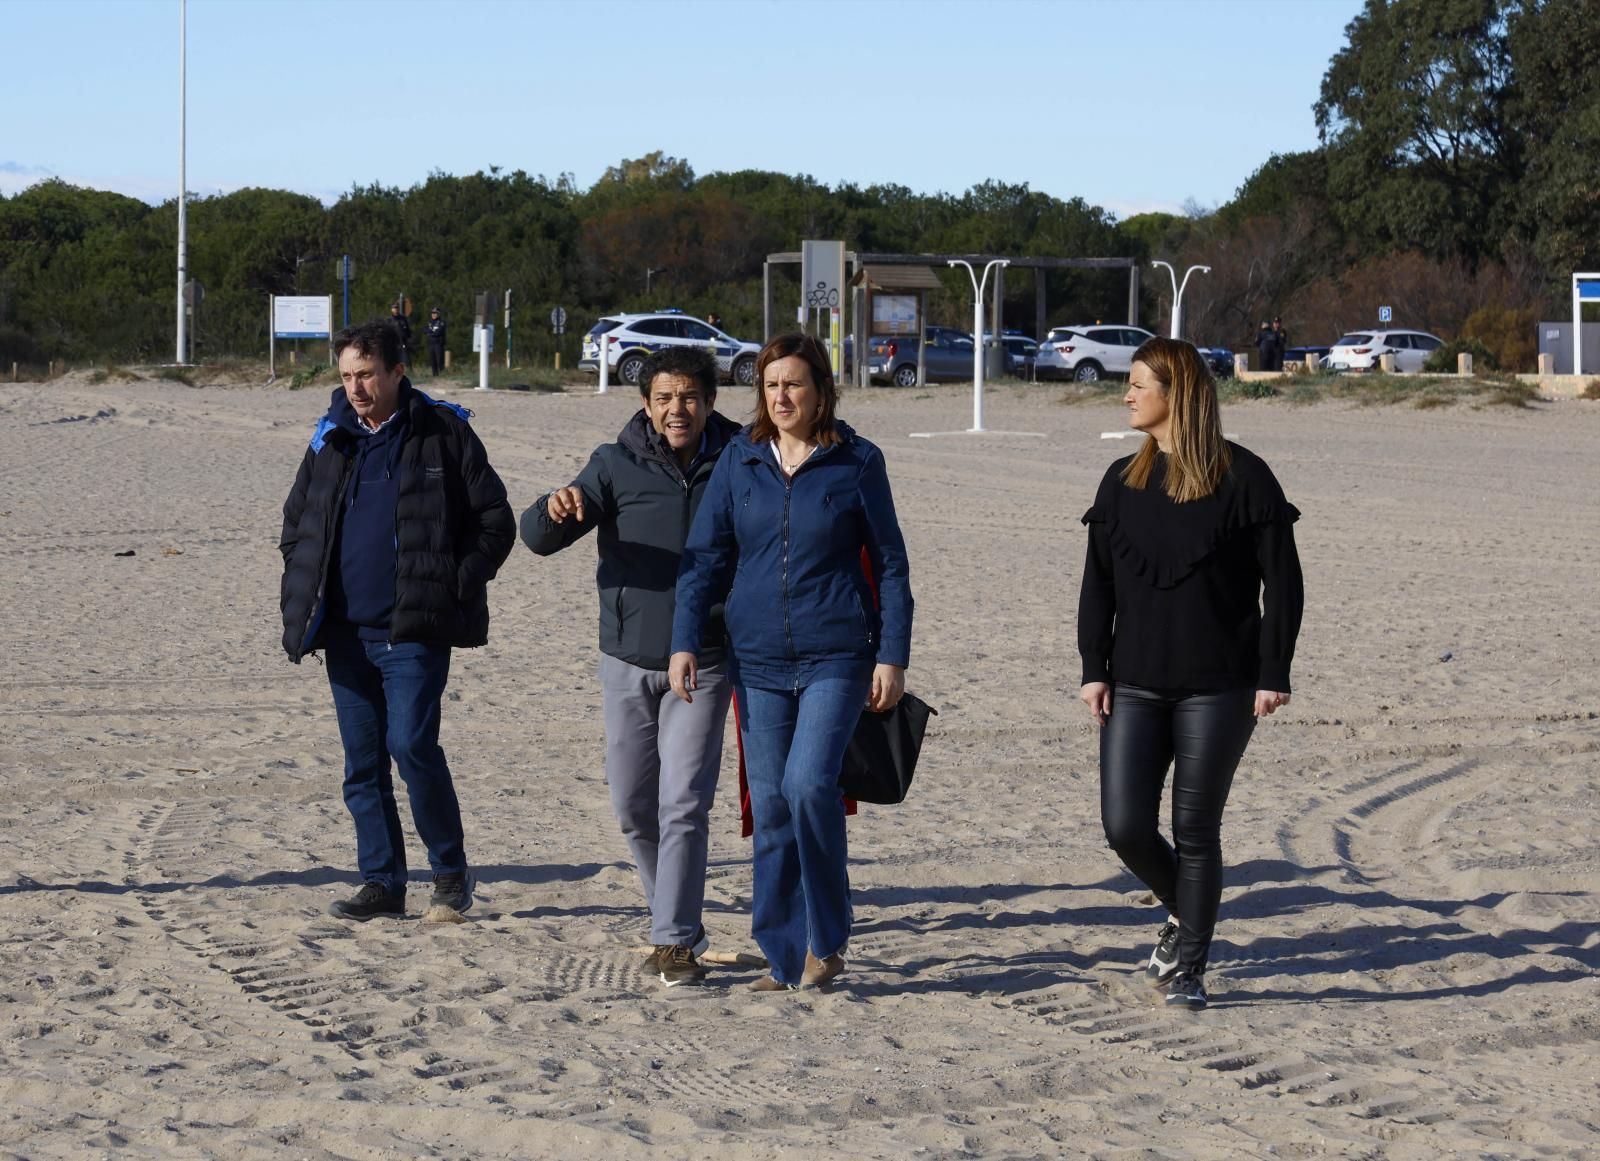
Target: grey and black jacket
453,528
642,503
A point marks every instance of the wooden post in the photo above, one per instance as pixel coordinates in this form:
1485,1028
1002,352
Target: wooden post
1241,364
1547,364
13,370
447,360
1386,364
1313,364
558,360
1463,363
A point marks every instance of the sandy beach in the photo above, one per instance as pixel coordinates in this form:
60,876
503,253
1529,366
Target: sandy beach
1407,964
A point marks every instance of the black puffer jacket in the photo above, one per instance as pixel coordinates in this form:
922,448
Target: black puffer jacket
642,503
453,528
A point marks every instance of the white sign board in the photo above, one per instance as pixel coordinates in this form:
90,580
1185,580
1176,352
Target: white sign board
894,314
821,274
1385,314
302,317
483,338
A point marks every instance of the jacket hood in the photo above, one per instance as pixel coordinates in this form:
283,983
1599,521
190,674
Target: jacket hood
342,416
639,436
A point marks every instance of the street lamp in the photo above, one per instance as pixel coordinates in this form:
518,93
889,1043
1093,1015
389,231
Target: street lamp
977,332
1177,292
648,272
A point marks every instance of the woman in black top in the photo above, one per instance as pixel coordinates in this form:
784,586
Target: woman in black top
1187,619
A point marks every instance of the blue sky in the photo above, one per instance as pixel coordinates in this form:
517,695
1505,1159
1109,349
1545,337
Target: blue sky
1129,104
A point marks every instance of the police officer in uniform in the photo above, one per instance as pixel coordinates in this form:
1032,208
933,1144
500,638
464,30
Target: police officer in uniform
435,332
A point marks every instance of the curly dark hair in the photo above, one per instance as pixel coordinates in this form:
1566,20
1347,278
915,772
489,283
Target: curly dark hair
379,337
693,363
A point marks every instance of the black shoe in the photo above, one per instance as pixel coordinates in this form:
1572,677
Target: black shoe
1164,959
453,891
373,899
1188,990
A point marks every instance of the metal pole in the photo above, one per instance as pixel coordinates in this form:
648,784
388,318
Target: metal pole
183,196
344,270
483,356
605,364
766,301
977,333
1172,274
1177,308
1577,330
272,341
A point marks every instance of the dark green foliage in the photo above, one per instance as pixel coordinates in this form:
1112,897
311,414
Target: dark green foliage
1444,360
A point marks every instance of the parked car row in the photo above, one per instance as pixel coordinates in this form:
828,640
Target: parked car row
1081,353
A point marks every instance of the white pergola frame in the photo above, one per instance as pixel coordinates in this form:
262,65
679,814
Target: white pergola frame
1580,295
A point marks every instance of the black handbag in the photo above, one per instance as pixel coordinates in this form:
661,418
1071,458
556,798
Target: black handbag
882,757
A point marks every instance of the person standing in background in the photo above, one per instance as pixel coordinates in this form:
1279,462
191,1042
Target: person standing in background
436,337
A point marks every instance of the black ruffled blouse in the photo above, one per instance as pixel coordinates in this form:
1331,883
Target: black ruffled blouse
1201,596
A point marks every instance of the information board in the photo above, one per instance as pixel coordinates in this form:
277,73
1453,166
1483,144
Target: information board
302,317
894,314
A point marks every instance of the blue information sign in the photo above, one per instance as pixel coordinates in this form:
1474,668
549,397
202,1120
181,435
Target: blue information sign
1385,314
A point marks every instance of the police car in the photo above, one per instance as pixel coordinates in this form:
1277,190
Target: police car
634,337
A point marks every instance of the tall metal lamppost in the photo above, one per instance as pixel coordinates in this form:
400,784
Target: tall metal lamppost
183,193
977,333
1177,293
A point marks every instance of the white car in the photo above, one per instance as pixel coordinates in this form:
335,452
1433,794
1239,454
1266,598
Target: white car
1361,350
1088,353
635,337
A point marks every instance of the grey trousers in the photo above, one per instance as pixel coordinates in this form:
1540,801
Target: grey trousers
662,760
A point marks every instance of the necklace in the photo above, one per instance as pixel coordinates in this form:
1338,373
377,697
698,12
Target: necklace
791,469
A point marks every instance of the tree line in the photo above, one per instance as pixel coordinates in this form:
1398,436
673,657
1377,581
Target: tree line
1457,180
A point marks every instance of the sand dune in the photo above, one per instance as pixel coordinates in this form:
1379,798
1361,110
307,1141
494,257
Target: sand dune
1408,963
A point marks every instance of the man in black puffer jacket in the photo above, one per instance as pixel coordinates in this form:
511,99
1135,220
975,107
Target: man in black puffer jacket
663,755
394,528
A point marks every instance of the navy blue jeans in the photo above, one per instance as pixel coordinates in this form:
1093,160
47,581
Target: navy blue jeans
387,701
794,744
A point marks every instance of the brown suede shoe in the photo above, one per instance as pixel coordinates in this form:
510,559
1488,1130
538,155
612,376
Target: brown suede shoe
821,971
768,984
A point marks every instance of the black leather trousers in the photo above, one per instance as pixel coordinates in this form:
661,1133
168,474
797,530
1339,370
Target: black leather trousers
1201,736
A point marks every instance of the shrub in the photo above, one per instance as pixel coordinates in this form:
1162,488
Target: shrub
1443,361
1591,389
1510,333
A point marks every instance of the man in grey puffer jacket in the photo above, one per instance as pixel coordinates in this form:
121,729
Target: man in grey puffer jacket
662,754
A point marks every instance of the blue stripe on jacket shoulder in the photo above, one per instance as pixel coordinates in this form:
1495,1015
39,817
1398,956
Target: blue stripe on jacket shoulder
462,413
319,436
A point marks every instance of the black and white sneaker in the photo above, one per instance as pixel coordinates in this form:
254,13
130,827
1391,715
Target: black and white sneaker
1164,959
373,900
453,890
1188,990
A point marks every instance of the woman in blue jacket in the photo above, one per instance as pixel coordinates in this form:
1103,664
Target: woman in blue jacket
779,537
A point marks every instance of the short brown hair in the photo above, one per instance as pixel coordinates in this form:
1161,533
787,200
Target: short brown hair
811,352
1200,456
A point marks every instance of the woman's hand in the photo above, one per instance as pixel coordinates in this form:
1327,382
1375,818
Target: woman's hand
1267,701
683,674
1097,696
888,686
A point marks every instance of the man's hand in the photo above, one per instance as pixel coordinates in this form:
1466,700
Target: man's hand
565,502
683,674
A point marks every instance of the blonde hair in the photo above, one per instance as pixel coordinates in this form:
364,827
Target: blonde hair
1199,458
